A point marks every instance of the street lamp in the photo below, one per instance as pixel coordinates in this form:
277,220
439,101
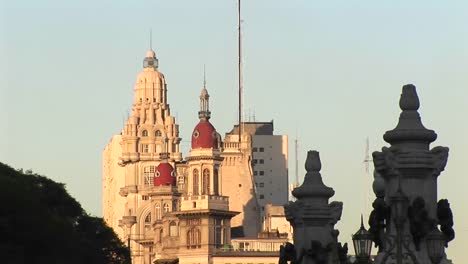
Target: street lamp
399,210
435,242
129,221
362,241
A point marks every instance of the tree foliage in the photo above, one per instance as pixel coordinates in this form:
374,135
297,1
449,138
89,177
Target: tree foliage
41,223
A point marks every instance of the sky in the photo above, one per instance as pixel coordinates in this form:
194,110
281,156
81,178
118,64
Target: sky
329,73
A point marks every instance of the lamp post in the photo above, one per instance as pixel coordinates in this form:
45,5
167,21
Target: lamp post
362,241
129,221
435,242
399,210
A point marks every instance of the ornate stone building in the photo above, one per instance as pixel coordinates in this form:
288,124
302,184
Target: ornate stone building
169,208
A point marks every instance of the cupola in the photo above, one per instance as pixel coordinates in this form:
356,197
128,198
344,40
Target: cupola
164,175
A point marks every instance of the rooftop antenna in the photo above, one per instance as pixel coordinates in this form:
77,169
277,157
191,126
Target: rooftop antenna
296,167
240,67
151,39
367,161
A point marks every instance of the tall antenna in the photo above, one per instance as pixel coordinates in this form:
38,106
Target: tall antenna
151,39
367,161
296,163
240,66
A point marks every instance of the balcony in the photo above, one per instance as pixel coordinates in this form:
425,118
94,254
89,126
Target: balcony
216,202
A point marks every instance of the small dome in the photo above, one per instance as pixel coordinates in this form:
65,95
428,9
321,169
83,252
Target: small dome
204,135
164,175
150,54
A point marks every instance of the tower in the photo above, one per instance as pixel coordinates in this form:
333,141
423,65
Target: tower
204,215
139,166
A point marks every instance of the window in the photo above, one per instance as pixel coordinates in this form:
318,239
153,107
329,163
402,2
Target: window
219,240
261,161
254,150
173,230
206,181
144,197
158,133
157,211
193,238
144,148
262,173
148,220
215,181
144,133
254,161
195,182
148,175
255,173
262,185
262,196
262,149
166,208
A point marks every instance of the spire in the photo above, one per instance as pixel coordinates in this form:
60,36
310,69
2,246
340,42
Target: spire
150,60
410,128
313,187
204,113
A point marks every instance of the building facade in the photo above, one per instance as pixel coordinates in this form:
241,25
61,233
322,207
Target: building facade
169,208
268,154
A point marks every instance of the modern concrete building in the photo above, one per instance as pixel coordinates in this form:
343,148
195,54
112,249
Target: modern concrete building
269,162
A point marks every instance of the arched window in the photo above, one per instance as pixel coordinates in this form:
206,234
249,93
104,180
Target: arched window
157,211
148,220
173,230
206,181
144,133
195,182
158,133
166,208
161,235
193,238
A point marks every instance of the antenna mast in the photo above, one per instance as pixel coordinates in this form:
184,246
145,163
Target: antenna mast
367,160
239,66
296,162
151,39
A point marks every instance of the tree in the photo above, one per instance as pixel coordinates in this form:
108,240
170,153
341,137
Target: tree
41,223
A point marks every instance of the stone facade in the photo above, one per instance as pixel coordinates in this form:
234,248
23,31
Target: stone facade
169,208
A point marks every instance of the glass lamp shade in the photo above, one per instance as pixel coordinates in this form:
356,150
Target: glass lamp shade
362,242
435,242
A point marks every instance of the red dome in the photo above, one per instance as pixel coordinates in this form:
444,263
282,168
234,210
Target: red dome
164,175
204,135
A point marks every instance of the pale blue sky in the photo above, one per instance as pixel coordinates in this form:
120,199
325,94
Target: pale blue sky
330,70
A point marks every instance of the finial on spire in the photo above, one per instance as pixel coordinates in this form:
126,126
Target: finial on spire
313,161
362,222
204,113
409,98
410,129
204,77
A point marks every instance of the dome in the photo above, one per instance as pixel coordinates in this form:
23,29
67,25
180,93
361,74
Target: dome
164,175
204,135
150,54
